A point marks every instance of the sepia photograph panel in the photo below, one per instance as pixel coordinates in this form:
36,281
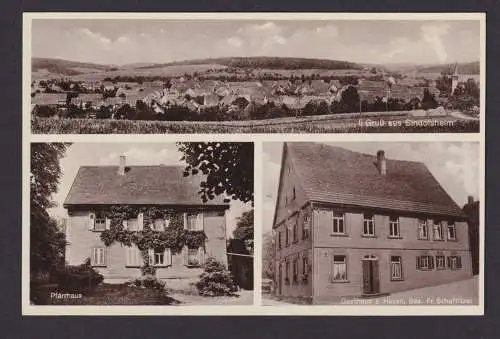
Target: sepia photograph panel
141,224
371,223
221,74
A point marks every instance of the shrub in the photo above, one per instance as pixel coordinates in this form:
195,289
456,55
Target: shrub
148,281
216,280
78,279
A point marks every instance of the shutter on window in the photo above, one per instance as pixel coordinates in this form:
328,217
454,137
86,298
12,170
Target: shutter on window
140,221
201,255
185,255
108,223
128,256
93,256
168,256
151,256
185,221
448,262
418,263
91,220
125,224
167,223
459,261
199,222
139,261
431,260
105,255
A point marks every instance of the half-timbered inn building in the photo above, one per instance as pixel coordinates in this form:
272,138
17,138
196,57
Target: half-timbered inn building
97,188
348,224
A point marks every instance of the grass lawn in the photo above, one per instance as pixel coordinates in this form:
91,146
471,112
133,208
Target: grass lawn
108,294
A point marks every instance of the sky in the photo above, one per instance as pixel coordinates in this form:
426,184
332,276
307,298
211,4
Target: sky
124,41
102,153
455,165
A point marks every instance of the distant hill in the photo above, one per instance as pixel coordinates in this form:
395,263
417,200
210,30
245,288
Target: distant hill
65,67
267,62
463,68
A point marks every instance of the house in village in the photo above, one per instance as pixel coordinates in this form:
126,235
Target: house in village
97,188
348,224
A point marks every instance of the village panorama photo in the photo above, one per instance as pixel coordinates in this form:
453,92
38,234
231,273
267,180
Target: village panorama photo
141,224
231,73
379,223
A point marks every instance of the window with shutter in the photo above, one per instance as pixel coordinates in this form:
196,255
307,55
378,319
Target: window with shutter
108,223
134,256
193,258
192,221
157,258
98,256
437,229
423,232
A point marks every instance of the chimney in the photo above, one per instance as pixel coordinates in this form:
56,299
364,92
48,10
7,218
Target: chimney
121,166
381,163
470,199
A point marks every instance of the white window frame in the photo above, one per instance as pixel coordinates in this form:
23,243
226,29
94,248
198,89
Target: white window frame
394,226
368,225
454,228
443,262
338,223
437,228
396,268
98,259
423,225
453,262
189,224
99,224
428,260
339,266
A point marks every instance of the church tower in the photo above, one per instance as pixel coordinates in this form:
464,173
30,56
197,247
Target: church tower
454,79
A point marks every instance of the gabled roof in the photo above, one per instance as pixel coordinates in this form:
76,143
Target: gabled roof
140,185
335,175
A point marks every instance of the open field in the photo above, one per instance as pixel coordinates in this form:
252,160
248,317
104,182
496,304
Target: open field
393,122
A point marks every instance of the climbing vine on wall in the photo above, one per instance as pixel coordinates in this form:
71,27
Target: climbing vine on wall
174,237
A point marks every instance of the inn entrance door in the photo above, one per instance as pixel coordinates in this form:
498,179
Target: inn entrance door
371,281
